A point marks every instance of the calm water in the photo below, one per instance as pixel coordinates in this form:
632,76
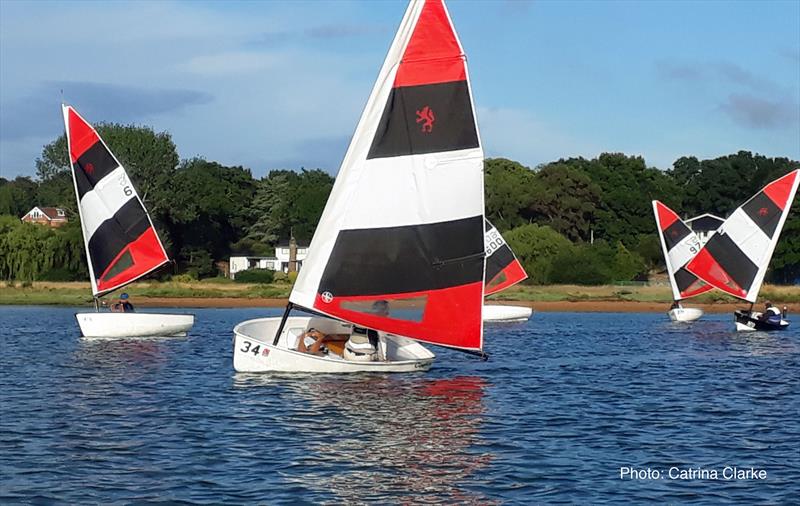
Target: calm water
564,402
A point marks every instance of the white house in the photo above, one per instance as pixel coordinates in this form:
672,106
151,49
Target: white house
704,226
280,262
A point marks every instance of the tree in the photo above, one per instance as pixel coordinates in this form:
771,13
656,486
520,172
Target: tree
508,186
17,197
536,246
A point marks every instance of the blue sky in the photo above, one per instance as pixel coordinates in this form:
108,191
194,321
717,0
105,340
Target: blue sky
281,84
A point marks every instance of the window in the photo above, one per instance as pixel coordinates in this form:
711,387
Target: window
411,309
123,263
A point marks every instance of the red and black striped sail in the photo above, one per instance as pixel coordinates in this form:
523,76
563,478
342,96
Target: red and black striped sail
502,266
121,243
736,257
680,245
399,247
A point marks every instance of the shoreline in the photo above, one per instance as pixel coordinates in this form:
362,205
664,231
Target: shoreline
583,306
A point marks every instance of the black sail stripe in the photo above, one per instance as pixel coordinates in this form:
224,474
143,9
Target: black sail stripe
92,166
497,261
764,213
425,119
414,258
115,234
733,260
675,233
684,279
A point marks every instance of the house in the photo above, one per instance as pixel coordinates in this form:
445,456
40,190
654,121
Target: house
51,216
704,226
280,262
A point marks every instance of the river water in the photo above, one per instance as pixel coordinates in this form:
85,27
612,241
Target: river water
565,402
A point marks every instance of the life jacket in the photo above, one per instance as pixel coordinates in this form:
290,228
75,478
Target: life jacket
362,345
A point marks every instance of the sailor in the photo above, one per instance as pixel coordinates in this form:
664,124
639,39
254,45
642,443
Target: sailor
123,305
313,341
771,314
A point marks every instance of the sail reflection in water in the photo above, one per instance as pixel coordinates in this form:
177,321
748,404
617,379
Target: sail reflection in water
386,438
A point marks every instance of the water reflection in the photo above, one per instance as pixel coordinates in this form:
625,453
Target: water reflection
399,439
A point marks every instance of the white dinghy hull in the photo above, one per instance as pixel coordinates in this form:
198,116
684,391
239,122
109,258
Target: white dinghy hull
134,324
506,313
685,314
253,350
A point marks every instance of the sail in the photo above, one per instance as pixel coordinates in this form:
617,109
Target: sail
679,245
736,257
399,247
502,267
121,243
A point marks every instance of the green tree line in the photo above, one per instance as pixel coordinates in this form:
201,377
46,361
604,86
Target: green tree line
569,221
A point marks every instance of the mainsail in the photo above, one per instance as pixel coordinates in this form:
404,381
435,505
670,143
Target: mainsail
736,257
680,245
402,230
121,243
502,267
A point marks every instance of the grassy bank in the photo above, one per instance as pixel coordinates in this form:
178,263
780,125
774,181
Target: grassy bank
80,293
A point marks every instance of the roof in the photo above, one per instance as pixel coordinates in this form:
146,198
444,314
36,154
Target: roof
52,213
705,222
287,245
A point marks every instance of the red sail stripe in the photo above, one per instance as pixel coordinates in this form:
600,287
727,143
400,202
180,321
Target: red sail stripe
452,316
699,287
433,54
81,135
514,273
147,255
779,190
666,216
705,266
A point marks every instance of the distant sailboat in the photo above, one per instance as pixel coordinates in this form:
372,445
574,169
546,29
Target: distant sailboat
399,248
680,245
735,259
503,270
121,243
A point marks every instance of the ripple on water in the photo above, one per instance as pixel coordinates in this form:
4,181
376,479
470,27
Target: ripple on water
564,402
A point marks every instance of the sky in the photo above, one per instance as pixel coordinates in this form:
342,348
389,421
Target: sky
279,84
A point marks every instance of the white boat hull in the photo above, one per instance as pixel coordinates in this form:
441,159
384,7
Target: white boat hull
134,324
253,350
506,313
685,314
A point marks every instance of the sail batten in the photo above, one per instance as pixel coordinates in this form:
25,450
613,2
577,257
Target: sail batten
403,227
121,242
736,258
679,245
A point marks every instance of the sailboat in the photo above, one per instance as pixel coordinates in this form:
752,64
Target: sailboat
736,257
121,243
680,245
398,255
503,270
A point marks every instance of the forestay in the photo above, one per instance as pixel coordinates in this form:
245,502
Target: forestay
679,245
736,257
399,246
502,266
121,243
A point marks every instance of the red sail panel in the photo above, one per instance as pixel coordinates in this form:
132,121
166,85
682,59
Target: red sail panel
512,274
433,54
666,216
81,135
140,257
706,267
445,317
780,190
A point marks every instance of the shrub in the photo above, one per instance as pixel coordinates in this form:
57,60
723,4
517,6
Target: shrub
264,276
280,277
184,278
60,274
292,277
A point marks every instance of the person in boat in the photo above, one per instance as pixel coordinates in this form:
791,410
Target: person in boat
771,314
123,305
676,305
313,341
